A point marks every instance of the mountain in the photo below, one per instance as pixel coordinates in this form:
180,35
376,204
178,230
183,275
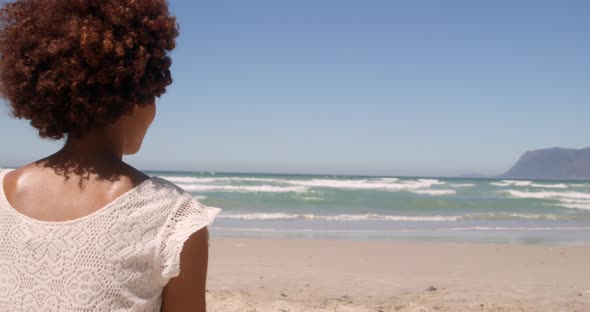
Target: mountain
552,164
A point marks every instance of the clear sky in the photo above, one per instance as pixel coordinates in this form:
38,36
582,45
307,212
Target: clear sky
363,87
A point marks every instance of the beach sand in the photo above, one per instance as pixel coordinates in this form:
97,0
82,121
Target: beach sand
345,275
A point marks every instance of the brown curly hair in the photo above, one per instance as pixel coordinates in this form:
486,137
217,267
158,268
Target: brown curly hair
70,66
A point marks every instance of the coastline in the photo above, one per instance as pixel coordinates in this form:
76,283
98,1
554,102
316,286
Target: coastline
393,208
354,275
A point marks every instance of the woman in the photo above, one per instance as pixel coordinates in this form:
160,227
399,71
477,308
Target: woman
80,230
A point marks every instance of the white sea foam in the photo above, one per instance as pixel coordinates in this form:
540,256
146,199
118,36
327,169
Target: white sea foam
260,216
240,229
434,192
573,200
575,203
475,228
560,185
518,216
217,180
582,206
340,217
243,188
518,182
389,179
341,184
378,184
548,194
431,181
512,183
311,198
390,218
462,185
384,184
277,185
380,217
568,200
200,197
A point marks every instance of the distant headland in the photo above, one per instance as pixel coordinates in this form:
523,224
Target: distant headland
552,164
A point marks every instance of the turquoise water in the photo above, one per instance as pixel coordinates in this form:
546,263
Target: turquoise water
355,207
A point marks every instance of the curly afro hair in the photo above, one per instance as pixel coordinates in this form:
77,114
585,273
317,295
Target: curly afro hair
70,66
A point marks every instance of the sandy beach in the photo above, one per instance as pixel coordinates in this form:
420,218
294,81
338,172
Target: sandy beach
349,275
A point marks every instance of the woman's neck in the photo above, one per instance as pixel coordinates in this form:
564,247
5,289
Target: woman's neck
106,143
96,153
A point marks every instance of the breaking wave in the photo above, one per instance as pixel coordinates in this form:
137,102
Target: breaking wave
216,180
434,192
242,188
574,200
560,185
512,183
381,217
463,185
272,185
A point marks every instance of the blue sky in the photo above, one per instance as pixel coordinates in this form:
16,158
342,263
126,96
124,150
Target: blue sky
363,87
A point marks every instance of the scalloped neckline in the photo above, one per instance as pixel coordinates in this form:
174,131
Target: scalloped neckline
105,208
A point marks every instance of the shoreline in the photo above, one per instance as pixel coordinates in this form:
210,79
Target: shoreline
260,274
551,236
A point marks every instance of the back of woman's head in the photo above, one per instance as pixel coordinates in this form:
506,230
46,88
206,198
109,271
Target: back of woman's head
70,66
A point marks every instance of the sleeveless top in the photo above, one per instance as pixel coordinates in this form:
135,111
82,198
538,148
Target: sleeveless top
118,258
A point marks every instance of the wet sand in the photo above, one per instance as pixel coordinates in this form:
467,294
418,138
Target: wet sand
346,275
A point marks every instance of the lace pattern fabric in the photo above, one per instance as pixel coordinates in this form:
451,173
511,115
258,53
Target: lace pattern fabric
116,259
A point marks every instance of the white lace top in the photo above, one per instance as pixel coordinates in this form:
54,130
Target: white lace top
118,258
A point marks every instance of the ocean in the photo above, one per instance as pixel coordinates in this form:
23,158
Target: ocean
392,208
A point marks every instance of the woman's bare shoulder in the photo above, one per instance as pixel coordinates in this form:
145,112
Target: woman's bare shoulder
36,185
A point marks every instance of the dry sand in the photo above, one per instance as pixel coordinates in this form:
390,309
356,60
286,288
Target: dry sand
344,275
